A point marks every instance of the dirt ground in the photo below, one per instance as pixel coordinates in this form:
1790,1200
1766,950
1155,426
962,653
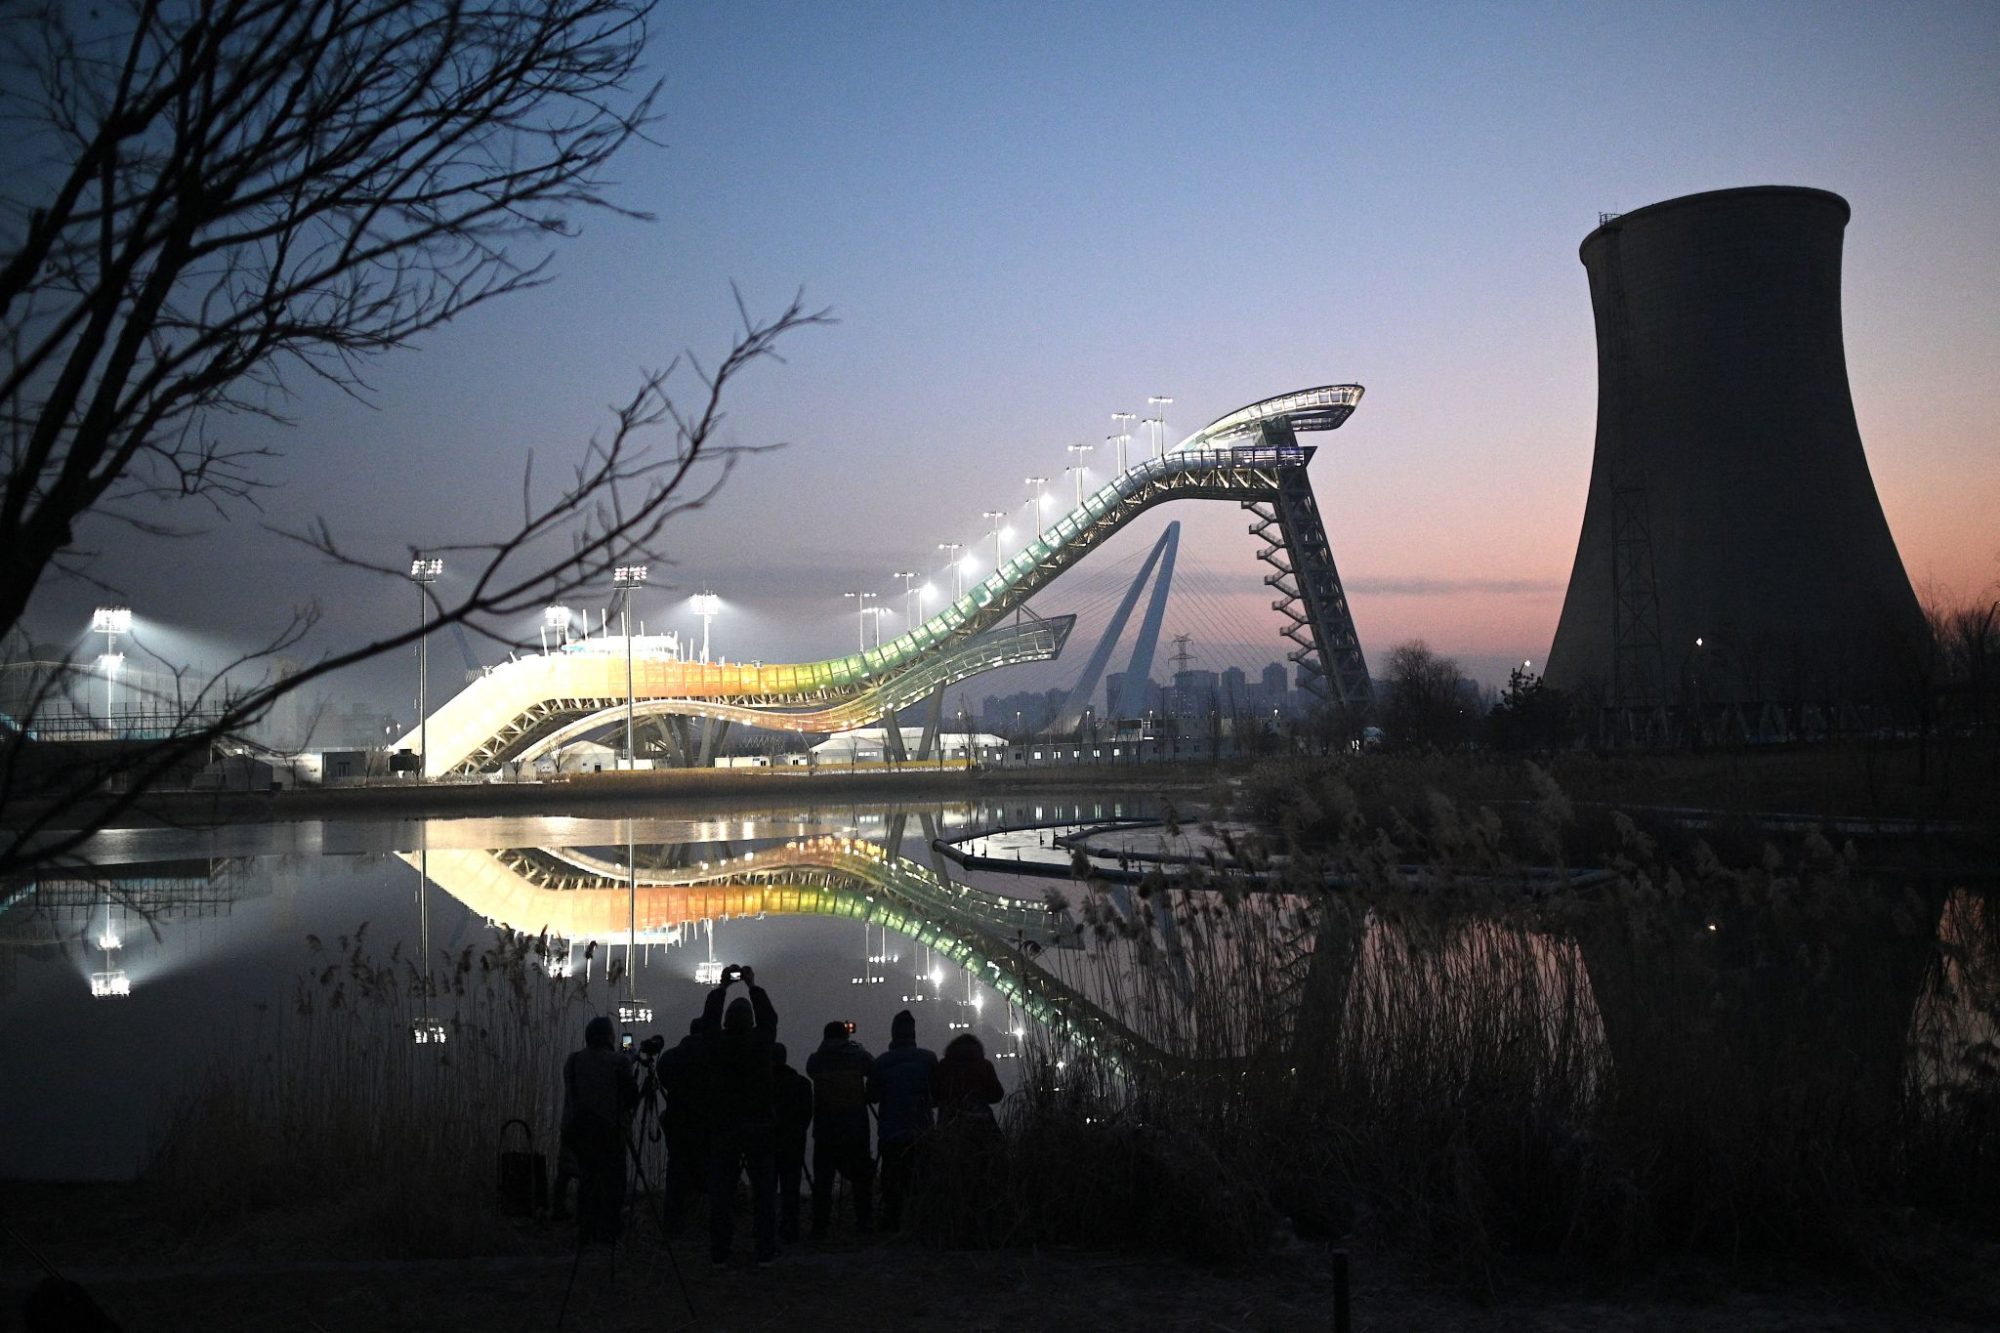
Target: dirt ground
245,1282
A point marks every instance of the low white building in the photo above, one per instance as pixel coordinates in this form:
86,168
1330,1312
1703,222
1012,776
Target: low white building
868,745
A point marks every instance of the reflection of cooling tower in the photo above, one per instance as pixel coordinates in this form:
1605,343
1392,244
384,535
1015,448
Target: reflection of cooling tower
1729,497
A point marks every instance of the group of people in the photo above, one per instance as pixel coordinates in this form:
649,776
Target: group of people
734,1105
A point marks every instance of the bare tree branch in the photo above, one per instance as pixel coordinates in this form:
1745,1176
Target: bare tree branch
224,194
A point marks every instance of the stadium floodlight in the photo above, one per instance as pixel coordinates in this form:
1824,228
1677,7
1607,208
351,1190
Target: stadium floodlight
1079,450
104,985
424,572
111,621
861,600
909,578
555,618
635,1010
1122,424
1000,531
428,1031
708,971
1041,485
951,550
1158,421
706,605
623,580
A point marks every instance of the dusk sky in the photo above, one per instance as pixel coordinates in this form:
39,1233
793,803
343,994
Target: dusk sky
1027,218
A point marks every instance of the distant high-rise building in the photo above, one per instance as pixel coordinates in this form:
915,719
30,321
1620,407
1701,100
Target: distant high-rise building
1195,693
1234,689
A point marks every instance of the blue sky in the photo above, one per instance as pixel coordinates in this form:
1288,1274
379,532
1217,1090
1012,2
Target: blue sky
1027,217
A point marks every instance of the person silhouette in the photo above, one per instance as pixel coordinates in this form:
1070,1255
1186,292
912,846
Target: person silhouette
793,1113
683,1077
738,1042
901,1083
600,1094
839,1072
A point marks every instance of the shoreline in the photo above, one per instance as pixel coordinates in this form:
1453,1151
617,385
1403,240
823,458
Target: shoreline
583,793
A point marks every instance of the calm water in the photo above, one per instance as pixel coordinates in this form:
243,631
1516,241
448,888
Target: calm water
828,902
856,911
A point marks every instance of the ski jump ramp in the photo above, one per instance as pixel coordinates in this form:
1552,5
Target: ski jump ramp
1250,457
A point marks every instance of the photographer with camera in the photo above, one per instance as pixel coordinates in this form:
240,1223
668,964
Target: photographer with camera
599,1096
839,1071
738,1042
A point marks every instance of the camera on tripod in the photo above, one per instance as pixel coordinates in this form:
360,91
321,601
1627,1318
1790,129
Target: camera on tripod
648,1051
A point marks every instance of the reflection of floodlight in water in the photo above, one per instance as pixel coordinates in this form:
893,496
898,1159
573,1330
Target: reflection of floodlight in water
428,1032
110,938
114,982
937,976
635,1011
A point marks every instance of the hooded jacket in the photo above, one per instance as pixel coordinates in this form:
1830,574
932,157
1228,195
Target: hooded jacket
901,1082
966,1082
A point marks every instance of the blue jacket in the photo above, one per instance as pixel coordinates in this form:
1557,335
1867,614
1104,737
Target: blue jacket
901,1081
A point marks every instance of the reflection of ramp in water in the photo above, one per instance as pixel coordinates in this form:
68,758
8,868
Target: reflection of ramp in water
577,895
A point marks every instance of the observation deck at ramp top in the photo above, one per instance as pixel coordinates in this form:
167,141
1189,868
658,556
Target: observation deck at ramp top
575,896
1250,457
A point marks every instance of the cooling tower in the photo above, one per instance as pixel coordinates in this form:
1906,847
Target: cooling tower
1733,548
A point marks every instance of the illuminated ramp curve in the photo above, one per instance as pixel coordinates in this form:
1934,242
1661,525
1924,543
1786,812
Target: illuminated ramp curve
1251,457
561,891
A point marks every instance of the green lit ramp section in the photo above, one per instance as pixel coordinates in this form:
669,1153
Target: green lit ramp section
539,889
555,723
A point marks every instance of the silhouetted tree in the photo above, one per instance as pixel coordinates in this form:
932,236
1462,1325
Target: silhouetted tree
1530,714
222,196
1424,702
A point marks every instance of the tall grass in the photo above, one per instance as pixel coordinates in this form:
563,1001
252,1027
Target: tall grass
1720,1045
336,1118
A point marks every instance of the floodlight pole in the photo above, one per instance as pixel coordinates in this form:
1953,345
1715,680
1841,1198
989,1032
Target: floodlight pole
1041,485
999,518
909,578
957,574
1159,422
623,580
705,606
111,621
1079,450
1122,421
424,573
861,600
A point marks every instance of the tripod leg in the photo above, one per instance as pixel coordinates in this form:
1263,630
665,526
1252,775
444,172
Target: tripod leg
666,1241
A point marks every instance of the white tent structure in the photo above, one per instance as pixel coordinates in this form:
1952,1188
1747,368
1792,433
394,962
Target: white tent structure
866,745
